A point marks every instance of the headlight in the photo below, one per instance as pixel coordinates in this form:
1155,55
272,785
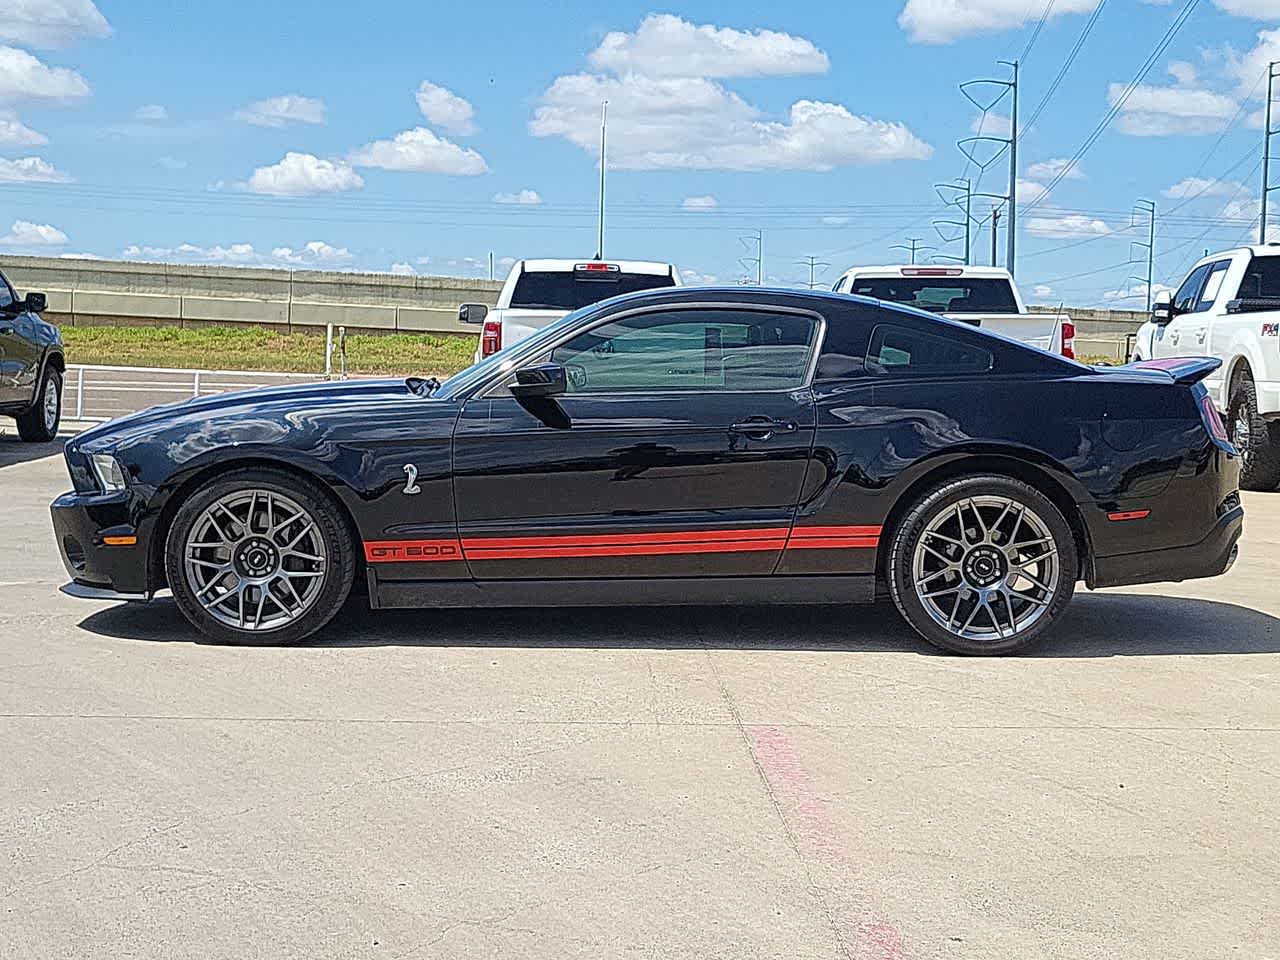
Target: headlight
107,470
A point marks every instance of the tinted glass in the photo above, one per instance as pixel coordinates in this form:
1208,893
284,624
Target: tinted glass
942,294
1261,279
691,350
1184,301
844,346
561,290
6,294
1212,285
905,351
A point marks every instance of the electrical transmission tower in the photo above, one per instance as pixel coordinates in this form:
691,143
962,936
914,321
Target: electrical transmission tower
754,241
1146,208
984,150
914,247
1267,133
960,195
813,263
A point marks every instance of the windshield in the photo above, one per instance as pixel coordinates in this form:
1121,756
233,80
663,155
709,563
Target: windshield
942,294
563,290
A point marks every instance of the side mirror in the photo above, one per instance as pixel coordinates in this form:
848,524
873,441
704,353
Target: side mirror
1162,310
472,313
539,381
36,302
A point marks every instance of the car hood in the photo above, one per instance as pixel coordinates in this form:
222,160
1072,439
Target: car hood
291,401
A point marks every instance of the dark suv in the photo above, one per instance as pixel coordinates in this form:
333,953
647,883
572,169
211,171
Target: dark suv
31,365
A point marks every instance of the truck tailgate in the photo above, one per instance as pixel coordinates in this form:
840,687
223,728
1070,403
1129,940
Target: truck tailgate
1043,330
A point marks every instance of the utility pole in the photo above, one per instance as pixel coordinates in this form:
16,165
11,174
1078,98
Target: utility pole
1011,257
753,241
490,264
984,150
604,122
914,247
995,235
1148,208
813,263
1267,134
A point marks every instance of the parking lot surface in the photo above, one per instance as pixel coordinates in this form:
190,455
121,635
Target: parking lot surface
621,783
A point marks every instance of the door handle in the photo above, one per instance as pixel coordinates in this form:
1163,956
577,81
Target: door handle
1200,335
762,428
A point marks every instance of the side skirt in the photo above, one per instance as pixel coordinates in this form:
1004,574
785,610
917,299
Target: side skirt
702,591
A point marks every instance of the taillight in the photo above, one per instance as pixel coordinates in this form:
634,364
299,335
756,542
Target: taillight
1068,339
490,337
1212,422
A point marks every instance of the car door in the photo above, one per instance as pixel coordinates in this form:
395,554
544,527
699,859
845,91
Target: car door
19,354
1178,337
678,450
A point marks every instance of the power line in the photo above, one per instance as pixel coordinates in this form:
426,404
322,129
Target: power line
813,263
1066,64
1035,34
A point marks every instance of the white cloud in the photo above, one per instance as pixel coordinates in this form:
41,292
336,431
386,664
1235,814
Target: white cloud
1042,290
504,261
403,269
694,123
1240,212
1136,291
1066,226
1254,9
301,174
30,170
172,163
1030,192
1183,73
422,261
1164,111
525,198
15,133
693,278
421,151
279,111
24,77
316,253
1048,169
51,23
700,203
835,221
943,21
24,234
151,113
1201,187
991,125
445,108
667,46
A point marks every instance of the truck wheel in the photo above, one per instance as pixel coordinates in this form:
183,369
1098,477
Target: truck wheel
982,565
259,557
39,424
1257,440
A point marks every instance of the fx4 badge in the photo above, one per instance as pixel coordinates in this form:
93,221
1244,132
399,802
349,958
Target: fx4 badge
1271,329
411,480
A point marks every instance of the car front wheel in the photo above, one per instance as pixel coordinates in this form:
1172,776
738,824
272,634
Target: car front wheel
40,423
259,557
982,565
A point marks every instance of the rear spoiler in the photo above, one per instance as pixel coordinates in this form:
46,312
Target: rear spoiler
1184,370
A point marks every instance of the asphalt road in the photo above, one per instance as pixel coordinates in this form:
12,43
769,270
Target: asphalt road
600,783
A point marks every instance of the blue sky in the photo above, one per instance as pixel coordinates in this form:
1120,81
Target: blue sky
425,136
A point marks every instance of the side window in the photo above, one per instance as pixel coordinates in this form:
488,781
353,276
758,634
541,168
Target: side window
840,285
1261,279
1188,295
695,350
844,346
1212,285
6,293
903,351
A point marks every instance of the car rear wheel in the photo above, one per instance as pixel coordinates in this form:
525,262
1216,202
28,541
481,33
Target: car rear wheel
40,423
1257,440
982,565
259,557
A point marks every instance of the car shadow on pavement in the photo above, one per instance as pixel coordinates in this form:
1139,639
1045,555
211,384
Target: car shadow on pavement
1096,625
14,450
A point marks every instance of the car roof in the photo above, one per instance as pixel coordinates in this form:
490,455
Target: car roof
557,265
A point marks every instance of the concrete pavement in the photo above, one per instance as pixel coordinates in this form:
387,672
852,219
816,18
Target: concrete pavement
608,783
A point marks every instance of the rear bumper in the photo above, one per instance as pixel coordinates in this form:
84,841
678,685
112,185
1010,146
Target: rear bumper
1211,557
82,524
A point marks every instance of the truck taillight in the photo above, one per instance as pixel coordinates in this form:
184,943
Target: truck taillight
490,337
1068,339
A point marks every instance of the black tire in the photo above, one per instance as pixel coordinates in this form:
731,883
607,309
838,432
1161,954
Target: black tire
338,550
1260,449
949,500
39,424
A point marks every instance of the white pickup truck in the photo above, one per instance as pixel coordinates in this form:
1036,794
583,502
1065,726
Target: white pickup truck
983,296
1229,307
538,292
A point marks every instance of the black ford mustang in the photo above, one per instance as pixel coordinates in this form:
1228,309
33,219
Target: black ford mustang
687,446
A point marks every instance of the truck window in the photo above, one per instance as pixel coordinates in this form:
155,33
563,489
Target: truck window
1261,279
563,290
1212,285
942,294
1188,295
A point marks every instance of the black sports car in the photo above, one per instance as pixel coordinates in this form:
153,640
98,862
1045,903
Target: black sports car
703,445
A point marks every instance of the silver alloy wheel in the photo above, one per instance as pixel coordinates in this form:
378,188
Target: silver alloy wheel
255,560
1243,432
50,405
986,568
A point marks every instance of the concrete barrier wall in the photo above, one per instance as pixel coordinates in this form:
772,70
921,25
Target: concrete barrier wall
88,292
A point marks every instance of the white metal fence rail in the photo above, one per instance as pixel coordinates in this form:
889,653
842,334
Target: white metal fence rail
99,393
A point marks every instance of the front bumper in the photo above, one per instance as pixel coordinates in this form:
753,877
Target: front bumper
1211,557
100,546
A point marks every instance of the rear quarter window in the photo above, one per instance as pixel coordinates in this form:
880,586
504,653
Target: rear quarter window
907,351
